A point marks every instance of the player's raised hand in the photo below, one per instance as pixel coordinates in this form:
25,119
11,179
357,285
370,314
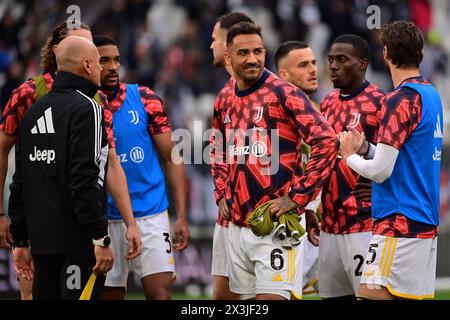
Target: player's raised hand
360,138
182,235
350,143
281,205
134,242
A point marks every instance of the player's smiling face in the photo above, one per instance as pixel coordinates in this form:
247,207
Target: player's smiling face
110,61
344,65
246,54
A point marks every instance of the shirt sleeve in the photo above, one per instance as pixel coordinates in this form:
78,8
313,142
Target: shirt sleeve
88,152
219,169
158,121
16,210
314,129
20,101
108,120
377,169
400,115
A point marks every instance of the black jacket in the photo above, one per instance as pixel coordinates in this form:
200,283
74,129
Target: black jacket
58,194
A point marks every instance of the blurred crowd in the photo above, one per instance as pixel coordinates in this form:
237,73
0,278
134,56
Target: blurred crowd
164,44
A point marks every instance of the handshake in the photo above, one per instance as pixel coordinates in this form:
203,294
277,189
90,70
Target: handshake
352,142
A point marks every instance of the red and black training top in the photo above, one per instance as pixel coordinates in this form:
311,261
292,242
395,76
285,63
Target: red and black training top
264,127
341,212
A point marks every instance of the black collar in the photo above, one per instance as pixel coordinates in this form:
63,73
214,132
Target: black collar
264,75
419,78
354,94
65,80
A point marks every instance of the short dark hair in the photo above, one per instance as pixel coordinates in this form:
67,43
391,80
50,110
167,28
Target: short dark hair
286,47
404,43
242,28
229,19
101,40
359,44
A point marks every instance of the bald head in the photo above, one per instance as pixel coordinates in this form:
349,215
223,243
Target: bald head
80,56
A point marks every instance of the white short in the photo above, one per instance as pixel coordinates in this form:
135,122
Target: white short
341,259
310,267
258,265
405,266
220,251
157,251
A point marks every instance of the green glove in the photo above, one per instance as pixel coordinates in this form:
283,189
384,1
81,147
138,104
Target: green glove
289,230
260,220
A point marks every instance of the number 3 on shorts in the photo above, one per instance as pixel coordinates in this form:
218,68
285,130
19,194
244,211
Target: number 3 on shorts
166,239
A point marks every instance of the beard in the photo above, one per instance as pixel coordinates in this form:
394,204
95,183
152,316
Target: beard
105,87
247,76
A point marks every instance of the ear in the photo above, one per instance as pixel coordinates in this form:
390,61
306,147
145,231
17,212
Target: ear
364,63
385,53
227,58
87,66
284,74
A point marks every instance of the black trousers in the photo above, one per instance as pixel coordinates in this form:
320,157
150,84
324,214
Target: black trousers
64,276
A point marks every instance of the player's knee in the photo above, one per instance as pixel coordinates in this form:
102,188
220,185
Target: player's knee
224,295
113,293
160,293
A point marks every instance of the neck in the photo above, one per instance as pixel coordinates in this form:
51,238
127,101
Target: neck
110,91
243,85
399,75
230,71
353,87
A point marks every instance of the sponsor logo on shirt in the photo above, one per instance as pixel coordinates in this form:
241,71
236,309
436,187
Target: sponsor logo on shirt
259,114
227,119
44,124
42,155
135,117
137,155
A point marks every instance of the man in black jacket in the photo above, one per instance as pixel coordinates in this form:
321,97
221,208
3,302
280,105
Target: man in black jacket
57,204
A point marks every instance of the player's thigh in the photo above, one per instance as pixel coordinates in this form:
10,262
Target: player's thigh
157,251
406,267
275,266
241,271
310,266
333,281
355,250
118,275
219,265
